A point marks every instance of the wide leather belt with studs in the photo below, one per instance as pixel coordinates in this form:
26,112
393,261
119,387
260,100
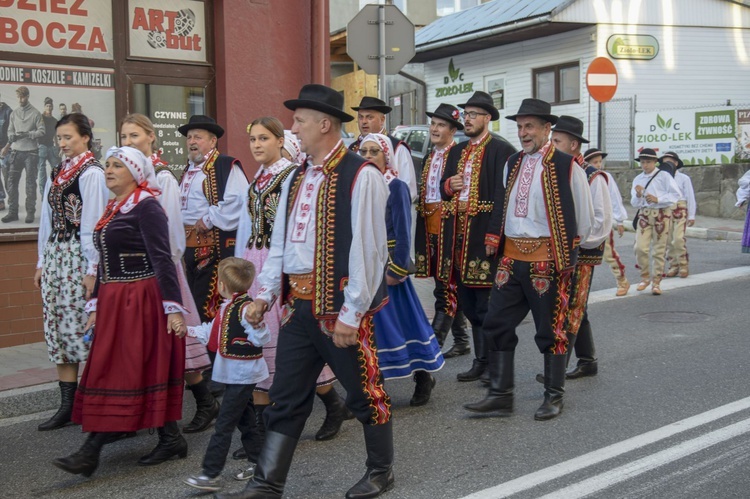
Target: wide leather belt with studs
528,249
301,286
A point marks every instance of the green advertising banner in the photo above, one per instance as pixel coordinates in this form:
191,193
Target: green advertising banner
715,125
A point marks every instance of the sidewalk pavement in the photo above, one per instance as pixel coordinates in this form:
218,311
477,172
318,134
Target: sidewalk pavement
28,381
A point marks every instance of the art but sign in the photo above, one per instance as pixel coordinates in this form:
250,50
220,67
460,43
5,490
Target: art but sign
167,29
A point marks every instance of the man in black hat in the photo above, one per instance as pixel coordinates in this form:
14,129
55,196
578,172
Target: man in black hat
327,261
429,250
211,193
371,119
595,157
683,216
547,211
567,136
654,194
471,185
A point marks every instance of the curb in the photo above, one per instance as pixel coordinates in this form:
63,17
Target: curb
29,400
700,233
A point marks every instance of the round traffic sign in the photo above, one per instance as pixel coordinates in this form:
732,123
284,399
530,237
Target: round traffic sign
601,79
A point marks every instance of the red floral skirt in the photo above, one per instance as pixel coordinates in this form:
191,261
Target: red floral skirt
133,376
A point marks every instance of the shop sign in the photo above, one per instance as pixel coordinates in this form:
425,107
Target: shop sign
70,89
743,134
453,83
699,136
642,47
79,28
167,29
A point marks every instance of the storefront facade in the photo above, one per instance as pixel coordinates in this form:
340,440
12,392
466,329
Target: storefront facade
234,60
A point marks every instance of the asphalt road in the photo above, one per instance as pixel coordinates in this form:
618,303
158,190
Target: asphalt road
668,416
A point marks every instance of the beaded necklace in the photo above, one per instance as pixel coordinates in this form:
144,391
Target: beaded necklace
64,175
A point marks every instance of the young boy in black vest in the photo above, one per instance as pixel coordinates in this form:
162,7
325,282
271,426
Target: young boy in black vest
240,365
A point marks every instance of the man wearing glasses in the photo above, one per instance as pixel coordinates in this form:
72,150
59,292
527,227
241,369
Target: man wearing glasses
473,190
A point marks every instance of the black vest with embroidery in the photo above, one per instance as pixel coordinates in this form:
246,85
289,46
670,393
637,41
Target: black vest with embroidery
591,256
233,342
558,201
333,232
67,204
262,205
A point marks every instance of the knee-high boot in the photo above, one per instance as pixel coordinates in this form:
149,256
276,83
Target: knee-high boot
441,324
171,443
479,365
207,408
63,414
86,459
379,475
554,387
460,337
572,339
500,394
586,353
336,414
270,473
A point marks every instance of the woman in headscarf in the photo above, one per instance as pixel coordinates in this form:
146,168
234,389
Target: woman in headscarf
404,337
136,130
278,152
133,377
74,199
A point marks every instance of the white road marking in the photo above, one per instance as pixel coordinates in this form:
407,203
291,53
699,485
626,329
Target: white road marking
536,478
605,480
672,283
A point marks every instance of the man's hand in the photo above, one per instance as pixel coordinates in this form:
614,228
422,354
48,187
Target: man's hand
456,182
691,223
88,282
639,190
176,324
490,250
200,227
620,230
5,150
254,312
343,335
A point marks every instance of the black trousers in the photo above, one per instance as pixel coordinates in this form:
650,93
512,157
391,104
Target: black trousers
474,301
201,267
446,294
302,350
237,411
523,286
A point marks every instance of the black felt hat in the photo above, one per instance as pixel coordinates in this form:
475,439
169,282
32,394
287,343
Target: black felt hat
572,126
320,98
674,156
535,107
449,113
202,122
482,100
594,151
373,103
647,153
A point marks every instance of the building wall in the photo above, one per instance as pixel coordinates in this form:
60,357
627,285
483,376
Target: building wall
20,301
516,61
355,86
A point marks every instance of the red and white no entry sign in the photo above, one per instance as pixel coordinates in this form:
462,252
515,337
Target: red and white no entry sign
601,79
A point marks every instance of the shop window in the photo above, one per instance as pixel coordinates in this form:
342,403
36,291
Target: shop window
168,107
559,84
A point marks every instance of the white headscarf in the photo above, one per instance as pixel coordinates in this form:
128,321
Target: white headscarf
139,165
291,144
385,144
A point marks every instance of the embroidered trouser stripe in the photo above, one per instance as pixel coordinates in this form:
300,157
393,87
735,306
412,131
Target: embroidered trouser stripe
445,294
612,257
579,297
521,287
651,241
676,243
202,266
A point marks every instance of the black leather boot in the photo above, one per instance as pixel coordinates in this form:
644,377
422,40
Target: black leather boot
500,395
586,353
572,342
460,337
336,414
270,473
207,408
62,416
554,387
260,430
171,443
425,383
441,324
86,459
479,365
379,475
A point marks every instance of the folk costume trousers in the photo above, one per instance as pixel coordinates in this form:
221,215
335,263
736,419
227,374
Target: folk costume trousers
445,293
202,269
676,243
578,318
651,237
612,257
302,350
522,286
